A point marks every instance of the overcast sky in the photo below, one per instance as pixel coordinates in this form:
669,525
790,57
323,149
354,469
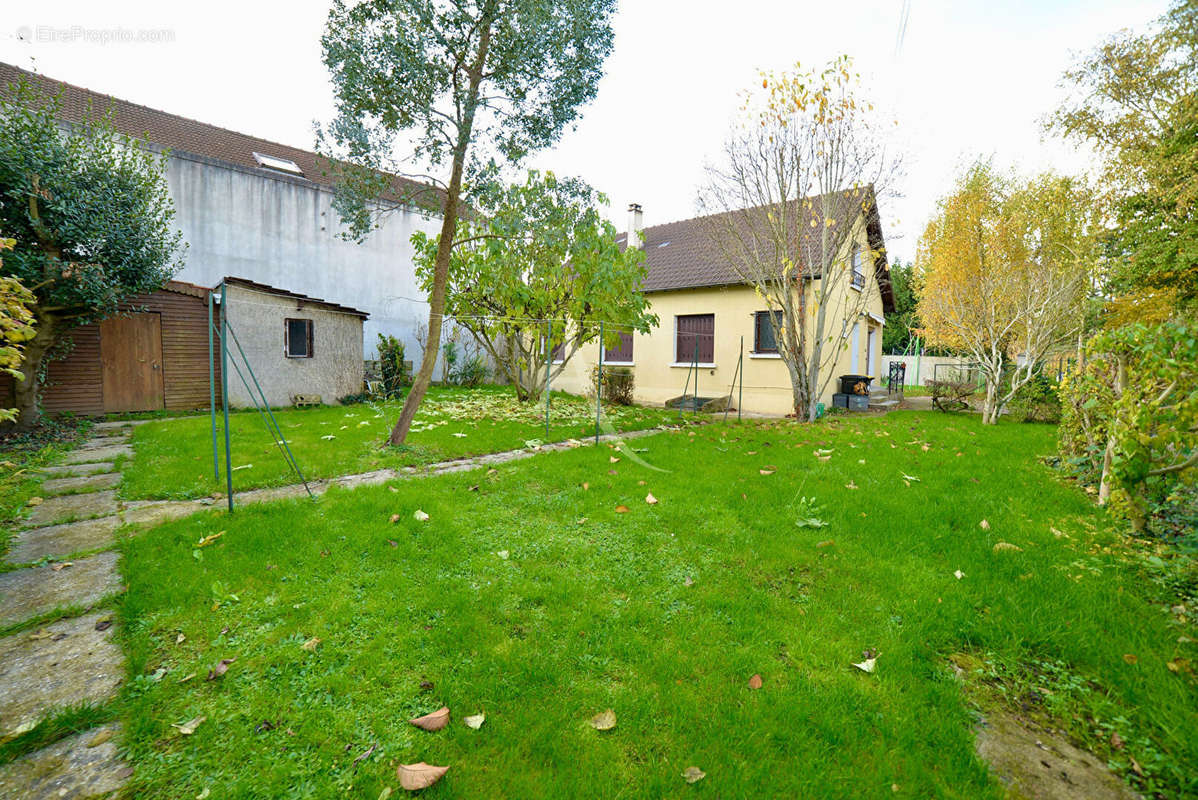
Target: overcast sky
967,79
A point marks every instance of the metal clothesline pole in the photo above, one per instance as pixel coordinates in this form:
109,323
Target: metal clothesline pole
212,393
548,371
599,385
224,386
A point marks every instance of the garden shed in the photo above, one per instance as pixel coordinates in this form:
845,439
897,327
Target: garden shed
151,356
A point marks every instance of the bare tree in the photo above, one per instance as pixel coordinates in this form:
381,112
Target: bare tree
798,179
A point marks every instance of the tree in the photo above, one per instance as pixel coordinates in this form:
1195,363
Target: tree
16,327
538,261
901,324
1135,98
92,217
462,82
797,178
1005,269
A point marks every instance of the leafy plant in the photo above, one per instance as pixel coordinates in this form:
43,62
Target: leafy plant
16,327
393,365
617,385
808,513
1036,401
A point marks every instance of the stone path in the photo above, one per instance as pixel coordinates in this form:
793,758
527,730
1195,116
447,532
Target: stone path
69,662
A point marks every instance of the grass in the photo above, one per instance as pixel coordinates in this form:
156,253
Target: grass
175,456
529,596
21,454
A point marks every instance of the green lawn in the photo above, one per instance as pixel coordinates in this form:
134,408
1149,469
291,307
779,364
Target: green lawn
175,455
527,595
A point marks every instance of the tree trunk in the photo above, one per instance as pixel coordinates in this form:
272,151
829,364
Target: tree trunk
25,393
1108,456
449,225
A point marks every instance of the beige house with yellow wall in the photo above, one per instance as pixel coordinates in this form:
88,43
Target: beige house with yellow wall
708,315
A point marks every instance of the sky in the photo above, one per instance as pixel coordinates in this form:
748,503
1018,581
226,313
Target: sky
965,80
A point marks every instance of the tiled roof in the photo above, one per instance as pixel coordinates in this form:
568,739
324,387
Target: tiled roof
198,138
316,301
682,254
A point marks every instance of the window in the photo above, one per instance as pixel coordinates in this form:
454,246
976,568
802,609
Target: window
297,338
277,164
858,268
694,338
621,353
763,331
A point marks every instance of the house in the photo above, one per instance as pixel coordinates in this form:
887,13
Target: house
708,316
263,211
152,355
295,345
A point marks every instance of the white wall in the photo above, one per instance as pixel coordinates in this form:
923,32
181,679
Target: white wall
281,231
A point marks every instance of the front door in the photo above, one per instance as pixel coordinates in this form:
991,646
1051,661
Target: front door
131,362
871,339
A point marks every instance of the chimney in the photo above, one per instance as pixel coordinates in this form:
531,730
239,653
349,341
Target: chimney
636,223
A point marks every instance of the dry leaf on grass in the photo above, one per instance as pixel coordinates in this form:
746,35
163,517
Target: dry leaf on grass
1001,546
188,728
180,639
434,721
614,459
766,471
394,518
100,738
604,721
984,525
503,554
958,574
311,644
209,539
650,499
622,509
475,721
1179,665
420,516
220,669
415,777
61,565
867,665
1130,658
851,485
693,774
585,486
755,682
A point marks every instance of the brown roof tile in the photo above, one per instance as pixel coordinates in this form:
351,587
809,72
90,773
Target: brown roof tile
316,301
198,138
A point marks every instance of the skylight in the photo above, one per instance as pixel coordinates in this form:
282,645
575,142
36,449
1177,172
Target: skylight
663,244
279,164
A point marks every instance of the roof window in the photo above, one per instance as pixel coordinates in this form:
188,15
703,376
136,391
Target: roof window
278,164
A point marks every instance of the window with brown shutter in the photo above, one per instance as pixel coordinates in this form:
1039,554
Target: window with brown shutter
297,338
695,338
764,340
621,352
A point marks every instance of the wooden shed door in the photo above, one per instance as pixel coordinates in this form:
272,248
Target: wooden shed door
131,362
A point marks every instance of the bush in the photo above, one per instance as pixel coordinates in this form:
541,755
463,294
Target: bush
1036,401
463,368
354,399
392,364
617,384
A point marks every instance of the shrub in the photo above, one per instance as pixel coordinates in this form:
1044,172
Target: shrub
354,399
392,364
617,384
1036,401
462,366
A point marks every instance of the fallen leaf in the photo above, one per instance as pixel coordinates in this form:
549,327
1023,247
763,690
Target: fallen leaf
604,721
311,644
209,539
502,554
1130,658
100,738
394,518
188,728
187,677
755,682
984,525
420,516
621,509
1057,533
220,669
180,639
328,437
473,488
34,501
1179,665
867,665
851,485
204,794
582,520
460,435
415,777
925,448
1116,741
958,574
650,499
825,458
61,565
825,543
766,471
1001,546
434,721
910,478
614,459
383,795
693,774
585,486
475,721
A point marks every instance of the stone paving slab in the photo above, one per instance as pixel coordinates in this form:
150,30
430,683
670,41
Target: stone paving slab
156,511
105,441
107,453
26,593
92,468
64,664
35,544
63,508
87,764
81,483
118,424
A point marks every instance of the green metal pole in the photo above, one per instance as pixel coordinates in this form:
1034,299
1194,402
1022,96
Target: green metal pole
741,395
212,394
599,385
695,361
918,357
548,370
224,386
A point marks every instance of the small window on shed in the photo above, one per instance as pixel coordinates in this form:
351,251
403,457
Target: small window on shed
297,338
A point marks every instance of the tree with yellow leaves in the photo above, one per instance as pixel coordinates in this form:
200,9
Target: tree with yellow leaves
1006,267
799,174
16,327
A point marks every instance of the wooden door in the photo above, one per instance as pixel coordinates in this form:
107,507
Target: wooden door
131,362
